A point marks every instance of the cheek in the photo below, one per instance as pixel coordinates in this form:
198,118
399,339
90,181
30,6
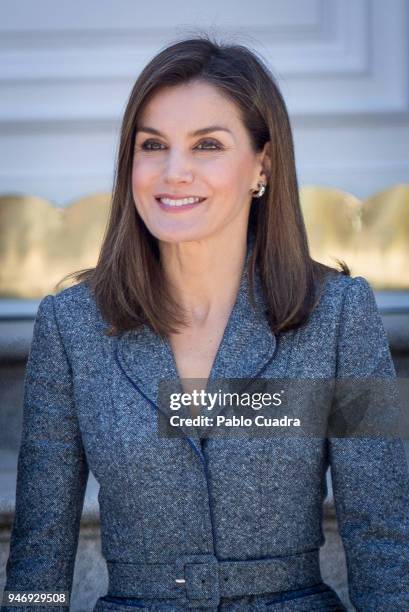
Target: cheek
140,186
142,175
231,174
222,176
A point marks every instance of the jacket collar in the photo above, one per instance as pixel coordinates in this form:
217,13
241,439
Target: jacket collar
247,346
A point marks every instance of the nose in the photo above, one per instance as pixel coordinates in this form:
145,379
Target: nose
178,168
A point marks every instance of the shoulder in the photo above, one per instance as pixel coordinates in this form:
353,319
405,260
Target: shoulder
358,321
74,310
362,343
78,296
338,284
340,293
342,302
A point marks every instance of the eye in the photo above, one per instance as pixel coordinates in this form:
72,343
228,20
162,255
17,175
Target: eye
213,144
154,145
148,145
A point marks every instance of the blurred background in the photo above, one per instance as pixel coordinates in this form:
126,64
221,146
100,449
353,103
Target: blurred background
66,70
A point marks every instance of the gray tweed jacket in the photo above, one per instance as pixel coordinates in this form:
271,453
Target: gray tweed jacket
228,524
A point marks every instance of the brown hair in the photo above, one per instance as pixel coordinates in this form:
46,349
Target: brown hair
128,282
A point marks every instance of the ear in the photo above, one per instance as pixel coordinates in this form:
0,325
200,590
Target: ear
265,161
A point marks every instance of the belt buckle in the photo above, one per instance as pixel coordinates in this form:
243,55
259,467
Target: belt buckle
199,575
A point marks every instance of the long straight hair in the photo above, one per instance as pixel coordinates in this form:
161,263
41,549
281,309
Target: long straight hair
128,281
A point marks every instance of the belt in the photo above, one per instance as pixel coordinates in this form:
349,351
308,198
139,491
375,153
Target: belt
201,580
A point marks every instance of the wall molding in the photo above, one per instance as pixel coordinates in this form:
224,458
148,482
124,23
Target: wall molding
324,54
342,65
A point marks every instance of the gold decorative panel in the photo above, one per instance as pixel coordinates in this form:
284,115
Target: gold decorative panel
371,236
40,243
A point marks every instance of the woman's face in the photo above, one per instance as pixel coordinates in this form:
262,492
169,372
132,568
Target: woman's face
191,142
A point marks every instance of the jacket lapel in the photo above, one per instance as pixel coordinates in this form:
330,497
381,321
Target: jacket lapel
246,348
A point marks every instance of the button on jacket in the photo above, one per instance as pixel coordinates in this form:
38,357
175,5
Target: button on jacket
228,524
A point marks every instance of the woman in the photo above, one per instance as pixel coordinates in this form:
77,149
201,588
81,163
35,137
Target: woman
204,274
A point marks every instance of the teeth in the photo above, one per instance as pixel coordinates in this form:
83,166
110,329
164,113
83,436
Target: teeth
182,202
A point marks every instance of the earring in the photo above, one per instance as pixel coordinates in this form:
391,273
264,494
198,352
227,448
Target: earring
260,192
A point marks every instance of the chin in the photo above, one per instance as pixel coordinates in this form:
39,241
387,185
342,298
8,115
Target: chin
178,234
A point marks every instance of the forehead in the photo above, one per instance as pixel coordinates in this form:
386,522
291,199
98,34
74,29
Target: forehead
190,105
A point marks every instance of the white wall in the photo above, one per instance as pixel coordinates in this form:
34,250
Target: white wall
67,67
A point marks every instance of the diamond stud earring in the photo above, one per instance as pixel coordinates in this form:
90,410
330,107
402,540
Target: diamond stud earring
260,191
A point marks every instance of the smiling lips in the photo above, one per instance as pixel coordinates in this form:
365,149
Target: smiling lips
172,203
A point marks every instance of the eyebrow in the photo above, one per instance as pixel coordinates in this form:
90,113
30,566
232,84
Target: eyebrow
205,130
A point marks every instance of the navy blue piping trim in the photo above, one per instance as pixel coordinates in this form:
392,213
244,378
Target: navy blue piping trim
320,587
205,464
199,454
147,398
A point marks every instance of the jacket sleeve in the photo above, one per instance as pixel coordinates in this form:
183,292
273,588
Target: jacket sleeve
370,475
52,471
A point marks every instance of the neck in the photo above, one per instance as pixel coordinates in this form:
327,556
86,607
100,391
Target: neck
204,276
